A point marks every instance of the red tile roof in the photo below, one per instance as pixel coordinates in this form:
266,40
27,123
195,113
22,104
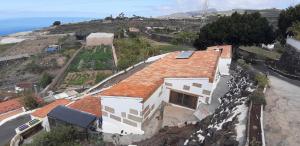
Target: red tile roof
202,64
10,105
226,50
42,112
88,104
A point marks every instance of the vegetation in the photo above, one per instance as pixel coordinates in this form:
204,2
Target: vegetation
98,58
262,80
258,97
184,38
81,34
4,47
64,136
29,101
56,23
295,30
258,51
101,76
237,29
132,50
286,19
34,67
45,80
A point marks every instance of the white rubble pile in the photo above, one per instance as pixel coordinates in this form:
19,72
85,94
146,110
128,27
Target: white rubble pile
228,124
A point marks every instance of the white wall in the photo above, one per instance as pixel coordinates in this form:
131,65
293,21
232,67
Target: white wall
178,84
45,122
155,99
224,65
121,104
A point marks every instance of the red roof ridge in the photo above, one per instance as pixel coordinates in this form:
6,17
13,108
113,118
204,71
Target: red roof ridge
43,111
88,104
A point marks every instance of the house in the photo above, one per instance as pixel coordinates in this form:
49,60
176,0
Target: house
10,108
98,39
52,48
182,79
87,105
64,116
134,30
23,86
42,112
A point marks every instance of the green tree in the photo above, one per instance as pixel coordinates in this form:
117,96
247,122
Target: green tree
286,19
56,23
237,29
45,80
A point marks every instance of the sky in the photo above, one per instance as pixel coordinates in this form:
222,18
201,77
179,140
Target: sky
102,8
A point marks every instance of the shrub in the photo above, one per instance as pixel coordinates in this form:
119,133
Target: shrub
45,80
243,63
29,102
56,23
100,77
262,80
258,97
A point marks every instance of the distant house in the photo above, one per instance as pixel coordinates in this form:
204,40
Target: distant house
23,86
134,30
52,48
183,79
98,39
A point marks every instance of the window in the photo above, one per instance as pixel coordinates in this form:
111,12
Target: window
183,99
206,92
197,85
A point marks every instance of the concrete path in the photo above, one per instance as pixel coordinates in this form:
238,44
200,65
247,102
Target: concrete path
115,55
7,130
281,116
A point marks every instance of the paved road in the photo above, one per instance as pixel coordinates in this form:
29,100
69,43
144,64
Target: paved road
281,116
7,130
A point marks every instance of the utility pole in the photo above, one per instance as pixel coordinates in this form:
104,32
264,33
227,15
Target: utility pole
204,12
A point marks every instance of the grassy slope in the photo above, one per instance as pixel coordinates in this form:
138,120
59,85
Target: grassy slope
261,52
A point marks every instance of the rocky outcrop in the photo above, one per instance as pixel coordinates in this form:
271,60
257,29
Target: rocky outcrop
227,126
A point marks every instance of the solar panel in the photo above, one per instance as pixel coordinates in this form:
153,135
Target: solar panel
185,54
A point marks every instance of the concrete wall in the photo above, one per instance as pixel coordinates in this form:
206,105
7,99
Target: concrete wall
98,41
124,111
195,86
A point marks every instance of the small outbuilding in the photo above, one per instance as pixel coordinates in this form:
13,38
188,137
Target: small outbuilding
98,39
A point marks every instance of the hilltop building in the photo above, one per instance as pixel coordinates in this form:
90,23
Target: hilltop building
181,79
98,39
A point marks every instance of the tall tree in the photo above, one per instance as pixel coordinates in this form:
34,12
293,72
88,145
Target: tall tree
237,29
286,19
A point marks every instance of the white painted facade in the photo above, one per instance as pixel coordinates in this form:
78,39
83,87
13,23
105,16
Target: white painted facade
224,65
121,104
45,122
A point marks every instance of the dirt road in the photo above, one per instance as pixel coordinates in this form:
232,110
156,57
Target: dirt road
281,117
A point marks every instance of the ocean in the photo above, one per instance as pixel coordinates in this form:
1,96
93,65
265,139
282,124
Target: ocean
14,25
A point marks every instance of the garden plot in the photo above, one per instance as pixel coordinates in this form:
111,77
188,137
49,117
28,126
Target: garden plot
85,77
98,58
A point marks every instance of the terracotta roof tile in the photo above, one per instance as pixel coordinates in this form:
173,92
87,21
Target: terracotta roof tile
10,105
88,104
201,64
227,50
42,112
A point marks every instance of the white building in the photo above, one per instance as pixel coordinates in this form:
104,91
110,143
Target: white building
98,39
182,79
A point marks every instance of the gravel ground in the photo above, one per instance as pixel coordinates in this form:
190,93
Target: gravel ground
281,116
